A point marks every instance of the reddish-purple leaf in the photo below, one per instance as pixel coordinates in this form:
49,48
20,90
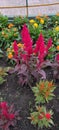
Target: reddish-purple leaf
42,73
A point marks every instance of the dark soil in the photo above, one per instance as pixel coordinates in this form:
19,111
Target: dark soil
23,100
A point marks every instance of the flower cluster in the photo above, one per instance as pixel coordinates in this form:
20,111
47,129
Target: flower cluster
30,58
40,19
43,91
40,49
34,23
7,116
57,28
10,25
41,117
8,35
13,49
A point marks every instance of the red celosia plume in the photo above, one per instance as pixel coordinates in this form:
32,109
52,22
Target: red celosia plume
26,39
39,43
40,49
15,48
5,111
49,44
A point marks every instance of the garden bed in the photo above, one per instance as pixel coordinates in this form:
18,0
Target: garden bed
23,100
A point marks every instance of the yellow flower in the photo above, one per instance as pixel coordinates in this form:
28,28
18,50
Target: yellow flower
42,21
8,30
15,29
58,40
57,28
57,48
3,33
8,49
10,25
12,50
32,21
15,34
35,25
56,22
10,56
20,45
54,38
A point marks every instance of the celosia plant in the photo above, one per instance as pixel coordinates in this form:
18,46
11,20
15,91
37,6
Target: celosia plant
41,117
8,116
30,60
43,91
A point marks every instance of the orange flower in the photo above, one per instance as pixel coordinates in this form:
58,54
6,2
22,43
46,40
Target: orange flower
45,16
20,45
41,86
10,25
10,56
57,48
57,14
3,33
38,17
32,117
50,84
47,94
